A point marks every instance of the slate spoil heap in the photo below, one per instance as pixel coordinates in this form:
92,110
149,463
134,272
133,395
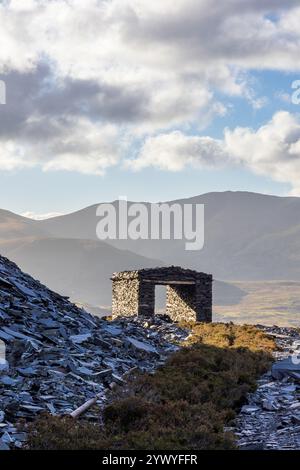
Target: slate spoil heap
58,356
271,419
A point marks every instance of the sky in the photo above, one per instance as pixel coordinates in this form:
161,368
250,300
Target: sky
149,100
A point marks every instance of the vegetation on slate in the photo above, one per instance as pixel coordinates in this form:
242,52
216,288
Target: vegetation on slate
184,405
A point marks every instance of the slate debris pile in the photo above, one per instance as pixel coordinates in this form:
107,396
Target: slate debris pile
271,418
60,356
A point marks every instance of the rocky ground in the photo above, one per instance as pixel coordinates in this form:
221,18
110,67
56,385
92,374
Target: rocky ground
271,418
59,356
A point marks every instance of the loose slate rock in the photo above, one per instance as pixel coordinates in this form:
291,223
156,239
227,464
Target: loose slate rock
271,420
3,445
60,356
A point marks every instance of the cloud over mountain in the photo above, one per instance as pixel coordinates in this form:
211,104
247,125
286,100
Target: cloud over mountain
272,150
89,81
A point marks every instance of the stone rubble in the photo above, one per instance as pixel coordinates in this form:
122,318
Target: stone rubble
271,418
59,356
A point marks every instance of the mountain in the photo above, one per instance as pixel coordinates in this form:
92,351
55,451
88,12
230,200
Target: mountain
78,268
248,236
16,230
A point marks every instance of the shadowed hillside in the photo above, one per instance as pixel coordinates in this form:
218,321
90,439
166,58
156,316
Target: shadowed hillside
248,236
80,269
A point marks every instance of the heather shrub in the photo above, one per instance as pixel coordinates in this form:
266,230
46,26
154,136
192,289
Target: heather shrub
184,405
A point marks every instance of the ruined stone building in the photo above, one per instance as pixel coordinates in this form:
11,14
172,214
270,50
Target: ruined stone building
189,293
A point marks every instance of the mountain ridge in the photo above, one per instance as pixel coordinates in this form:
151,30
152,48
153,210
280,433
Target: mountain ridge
236,224
248,236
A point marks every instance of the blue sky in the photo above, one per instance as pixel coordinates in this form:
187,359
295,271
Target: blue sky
155,102
63,192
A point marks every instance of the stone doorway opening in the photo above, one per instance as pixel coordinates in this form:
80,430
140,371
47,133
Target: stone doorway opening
160,300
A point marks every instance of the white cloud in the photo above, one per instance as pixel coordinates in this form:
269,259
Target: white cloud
79,145
13,156
272,150
86,148
130,69
34,216
175,151
147,46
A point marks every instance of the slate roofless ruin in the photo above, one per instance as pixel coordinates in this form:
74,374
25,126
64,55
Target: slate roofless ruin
189,293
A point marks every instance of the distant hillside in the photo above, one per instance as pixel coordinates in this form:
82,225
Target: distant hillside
80,269
264,302
16,230
248,236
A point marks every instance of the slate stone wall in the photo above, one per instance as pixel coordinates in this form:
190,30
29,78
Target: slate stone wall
125,297
181,303
189,293
203,300
146,299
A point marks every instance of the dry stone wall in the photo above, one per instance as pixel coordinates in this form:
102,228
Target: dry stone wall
125,297
181,303
189,293
146,299
204,299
